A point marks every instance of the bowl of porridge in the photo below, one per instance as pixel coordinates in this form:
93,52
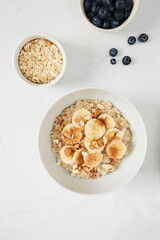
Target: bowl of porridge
39,60
90,141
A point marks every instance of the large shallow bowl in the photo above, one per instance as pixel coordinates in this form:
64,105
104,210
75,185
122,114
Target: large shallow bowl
129,19
130,164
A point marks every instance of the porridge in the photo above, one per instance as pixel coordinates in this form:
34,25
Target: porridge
90,138
40,61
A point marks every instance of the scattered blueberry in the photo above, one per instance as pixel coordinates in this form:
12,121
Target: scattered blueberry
111,7
87,5
131,40
103,12
114,23
113,61
143,38
119,14
97,21
120,4
126,60
107,2
113,52
128,5
105,24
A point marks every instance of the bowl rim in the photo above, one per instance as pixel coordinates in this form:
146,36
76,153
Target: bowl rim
128,20
19,46
145,140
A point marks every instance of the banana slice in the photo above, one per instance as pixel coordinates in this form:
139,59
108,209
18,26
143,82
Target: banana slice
114,133
107,120
67,153
94,129
116,149
95,146
80,118
71,135
92,159
78,157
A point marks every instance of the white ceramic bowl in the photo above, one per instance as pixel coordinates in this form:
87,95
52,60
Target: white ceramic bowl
18,49
129,19
130,164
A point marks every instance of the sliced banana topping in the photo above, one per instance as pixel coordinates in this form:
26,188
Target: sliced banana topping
80,118
78,157
116,149
92,159
71,135
94,129
107,120
67,153
94,146
113,133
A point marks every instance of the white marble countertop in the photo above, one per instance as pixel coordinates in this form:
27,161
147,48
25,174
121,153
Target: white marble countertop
32,205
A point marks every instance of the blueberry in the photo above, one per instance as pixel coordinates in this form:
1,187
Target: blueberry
126,60
113,52
111,7
105,24
120,4
126,14
113,61
129,5
114,23
95,8
87,5
110,17
97,21
131,40
119,14
99,2
107,2
143,38
90,15
103,12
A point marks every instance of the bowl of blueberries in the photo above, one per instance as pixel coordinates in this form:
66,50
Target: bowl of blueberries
109,15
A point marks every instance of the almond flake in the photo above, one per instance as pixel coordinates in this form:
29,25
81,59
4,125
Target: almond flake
100,106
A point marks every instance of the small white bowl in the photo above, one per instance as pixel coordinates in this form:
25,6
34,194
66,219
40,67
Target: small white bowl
129,19
128,167
18,49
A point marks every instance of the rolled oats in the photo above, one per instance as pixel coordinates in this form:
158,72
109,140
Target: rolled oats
40,61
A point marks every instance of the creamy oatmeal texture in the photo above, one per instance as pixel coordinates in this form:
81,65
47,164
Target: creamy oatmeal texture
90,138
40,61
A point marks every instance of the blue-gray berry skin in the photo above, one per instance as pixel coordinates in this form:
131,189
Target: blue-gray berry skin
103,12
105,24
114,23
119,15
113,52
113,61
128,5
87,5
131,40
107,2
120,4
97,21
143,37
127,14
126,60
